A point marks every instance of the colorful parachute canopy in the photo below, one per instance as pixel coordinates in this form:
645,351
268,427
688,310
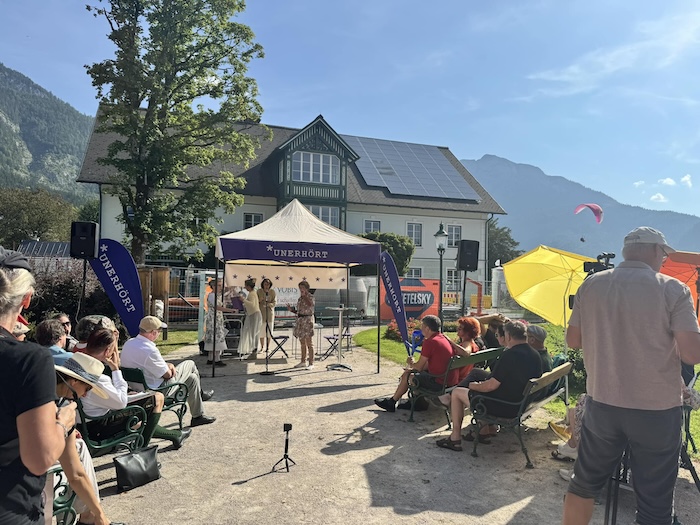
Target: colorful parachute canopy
597,211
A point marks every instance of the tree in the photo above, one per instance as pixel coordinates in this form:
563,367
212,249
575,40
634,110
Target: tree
501,245
33,214
90,211
171,55
400,248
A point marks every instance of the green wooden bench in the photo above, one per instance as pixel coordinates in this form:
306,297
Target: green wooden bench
63,497
526,406
456,362
175,394
130,422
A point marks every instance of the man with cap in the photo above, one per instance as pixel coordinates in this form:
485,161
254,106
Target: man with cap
535,338
634,325
142,352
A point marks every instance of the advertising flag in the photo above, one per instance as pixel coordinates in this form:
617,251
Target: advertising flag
394,296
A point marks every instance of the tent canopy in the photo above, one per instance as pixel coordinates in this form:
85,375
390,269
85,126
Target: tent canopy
294,235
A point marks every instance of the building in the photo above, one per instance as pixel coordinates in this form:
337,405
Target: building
358,184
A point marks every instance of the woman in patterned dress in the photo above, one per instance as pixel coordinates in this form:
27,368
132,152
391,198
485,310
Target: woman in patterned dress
267,299
220,334
304,327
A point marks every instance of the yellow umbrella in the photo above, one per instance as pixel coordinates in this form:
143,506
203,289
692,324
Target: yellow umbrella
542,280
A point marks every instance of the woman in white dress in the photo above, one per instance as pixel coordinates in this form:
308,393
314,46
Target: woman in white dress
210,335
253,322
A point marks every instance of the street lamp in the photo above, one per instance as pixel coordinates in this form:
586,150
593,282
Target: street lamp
440,244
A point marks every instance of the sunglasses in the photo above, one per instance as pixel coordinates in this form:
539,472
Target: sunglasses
67,323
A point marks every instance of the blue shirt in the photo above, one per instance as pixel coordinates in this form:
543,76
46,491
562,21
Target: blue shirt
60,356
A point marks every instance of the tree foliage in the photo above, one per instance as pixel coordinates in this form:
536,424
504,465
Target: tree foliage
90,211
174,158
34,214
501,244
400,248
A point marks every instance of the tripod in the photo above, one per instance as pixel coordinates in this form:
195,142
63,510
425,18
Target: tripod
287,427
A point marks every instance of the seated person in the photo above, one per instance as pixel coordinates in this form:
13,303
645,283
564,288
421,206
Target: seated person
489,326
535,338
75,378
102,345
52,334
142,352
64,319
517,365
435,357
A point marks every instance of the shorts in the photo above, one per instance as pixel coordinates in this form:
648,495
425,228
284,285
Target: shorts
427,382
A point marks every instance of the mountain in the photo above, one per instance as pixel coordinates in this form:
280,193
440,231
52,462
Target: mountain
42,139
541,207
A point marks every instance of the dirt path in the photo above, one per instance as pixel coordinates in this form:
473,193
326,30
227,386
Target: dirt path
354,462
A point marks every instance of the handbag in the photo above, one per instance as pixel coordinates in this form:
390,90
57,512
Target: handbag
137,468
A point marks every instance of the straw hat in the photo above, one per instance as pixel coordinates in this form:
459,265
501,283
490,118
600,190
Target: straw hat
86,369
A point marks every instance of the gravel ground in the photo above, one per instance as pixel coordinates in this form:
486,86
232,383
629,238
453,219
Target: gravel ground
354,462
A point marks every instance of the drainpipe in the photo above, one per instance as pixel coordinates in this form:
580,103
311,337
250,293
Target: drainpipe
486,251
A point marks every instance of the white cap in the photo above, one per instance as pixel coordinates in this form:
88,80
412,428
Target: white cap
647,235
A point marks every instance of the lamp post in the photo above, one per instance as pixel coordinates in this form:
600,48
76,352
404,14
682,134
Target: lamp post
440,244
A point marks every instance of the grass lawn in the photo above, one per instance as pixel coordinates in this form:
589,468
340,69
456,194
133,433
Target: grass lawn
176,340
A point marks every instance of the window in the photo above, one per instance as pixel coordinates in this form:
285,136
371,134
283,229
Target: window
414,273
315,167
414,230
328,214
454,235
454,281
371,226
251,219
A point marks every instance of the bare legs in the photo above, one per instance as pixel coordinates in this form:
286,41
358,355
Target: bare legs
459,402
307,347
577,510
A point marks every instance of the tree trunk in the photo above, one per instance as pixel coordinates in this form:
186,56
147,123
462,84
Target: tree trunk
138,250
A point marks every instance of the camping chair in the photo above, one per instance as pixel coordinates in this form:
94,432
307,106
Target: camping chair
334,339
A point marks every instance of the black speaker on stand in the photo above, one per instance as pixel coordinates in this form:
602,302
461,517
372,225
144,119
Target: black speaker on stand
84,244
468,256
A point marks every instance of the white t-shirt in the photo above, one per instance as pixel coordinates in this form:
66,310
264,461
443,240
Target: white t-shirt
140,352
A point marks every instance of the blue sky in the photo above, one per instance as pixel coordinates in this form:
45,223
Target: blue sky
603,92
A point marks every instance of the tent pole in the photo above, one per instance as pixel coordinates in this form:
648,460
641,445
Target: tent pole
216,304
377,309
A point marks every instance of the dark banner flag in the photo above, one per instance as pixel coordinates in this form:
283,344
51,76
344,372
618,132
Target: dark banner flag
116,270
394,296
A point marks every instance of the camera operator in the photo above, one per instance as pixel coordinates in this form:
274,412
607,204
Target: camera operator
634,385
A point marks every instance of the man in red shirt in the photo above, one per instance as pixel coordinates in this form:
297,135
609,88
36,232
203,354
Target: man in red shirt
434,359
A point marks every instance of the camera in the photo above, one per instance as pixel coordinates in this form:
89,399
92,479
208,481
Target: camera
601,263
287,427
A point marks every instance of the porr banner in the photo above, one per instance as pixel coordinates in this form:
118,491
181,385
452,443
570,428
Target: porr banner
116,271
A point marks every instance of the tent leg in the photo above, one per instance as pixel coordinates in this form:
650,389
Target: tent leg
379,335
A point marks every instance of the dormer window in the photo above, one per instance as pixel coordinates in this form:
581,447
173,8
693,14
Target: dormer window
320,168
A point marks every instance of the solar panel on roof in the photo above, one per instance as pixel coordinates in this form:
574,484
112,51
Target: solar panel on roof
417,170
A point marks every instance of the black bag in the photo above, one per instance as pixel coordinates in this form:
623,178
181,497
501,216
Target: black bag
137,468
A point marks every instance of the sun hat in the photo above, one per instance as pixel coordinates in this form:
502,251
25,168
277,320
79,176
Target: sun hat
647,235
90,323
150,323
537,332
86,369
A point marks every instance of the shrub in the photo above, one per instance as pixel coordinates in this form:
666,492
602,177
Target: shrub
577,379
392,329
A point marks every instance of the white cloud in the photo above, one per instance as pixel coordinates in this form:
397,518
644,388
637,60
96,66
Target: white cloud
668,181
658,197
686,180
638,183
657,45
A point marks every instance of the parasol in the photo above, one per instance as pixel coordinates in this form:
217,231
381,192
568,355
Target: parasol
542,280
684,266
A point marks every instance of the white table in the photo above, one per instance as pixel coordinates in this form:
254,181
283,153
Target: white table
340,365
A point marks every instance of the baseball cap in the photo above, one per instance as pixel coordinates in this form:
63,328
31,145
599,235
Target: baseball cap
647,235
537,332
150,323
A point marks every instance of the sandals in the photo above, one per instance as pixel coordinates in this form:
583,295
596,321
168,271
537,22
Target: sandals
449,444
483,439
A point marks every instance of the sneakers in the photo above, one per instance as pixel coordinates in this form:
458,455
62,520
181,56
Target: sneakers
562,431
310,366
566,473
387,403
300,365
568,452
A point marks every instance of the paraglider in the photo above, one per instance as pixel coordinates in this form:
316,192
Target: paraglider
597,211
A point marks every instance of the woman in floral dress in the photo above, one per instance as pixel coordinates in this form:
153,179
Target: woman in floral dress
304,328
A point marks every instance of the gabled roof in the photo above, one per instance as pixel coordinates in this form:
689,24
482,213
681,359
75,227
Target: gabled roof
261,173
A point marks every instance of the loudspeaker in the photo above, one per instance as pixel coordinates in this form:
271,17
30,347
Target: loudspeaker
84,240
468,255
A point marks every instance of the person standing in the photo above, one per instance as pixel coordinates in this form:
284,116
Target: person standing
304,327
253,322
267,298
215,315
634,386
33,431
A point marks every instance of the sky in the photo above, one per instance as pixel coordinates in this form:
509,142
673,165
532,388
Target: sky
601,92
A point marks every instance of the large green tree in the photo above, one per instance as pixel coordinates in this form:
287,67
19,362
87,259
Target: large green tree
400,247
34,214
175,96
502,246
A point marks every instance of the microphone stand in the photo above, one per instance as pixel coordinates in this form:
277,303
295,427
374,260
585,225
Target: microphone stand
268,334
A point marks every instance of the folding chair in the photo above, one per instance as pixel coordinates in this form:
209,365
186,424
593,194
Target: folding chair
279,341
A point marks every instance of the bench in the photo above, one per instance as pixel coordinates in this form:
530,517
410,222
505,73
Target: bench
130,421
63,496
175,394
526,406
416,392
